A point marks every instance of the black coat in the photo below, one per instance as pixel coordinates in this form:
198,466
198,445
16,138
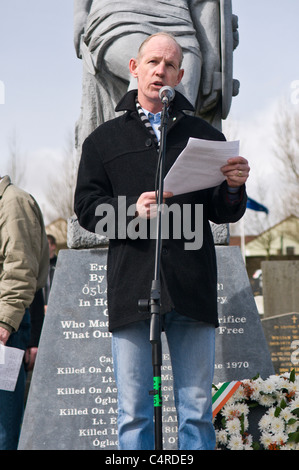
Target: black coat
119,159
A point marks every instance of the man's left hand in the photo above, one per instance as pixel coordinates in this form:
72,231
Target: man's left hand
236,171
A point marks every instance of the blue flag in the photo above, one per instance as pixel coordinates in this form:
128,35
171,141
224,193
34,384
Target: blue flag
256,206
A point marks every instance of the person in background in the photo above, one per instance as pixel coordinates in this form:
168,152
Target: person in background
52,265
36,310
24,259
37,315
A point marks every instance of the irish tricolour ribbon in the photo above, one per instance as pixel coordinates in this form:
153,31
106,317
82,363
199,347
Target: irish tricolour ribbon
223,395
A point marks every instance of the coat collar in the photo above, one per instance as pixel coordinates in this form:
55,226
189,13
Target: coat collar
127,103
4,182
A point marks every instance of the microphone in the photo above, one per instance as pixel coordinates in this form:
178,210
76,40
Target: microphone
166,94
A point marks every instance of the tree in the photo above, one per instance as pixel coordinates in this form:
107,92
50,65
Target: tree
60,193
16,168
286,149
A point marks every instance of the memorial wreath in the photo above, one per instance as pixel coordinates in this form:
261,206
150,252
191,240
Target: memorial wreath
277,398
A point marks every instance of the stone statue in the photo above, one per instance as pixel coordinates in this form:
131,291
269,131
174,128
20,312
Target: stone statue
107,33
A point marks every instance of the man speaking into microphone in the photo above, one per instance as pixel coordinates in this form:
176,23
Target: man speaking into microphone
120,159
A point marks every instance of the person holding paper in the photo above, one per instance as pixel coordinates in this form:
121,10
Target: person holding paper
119,159
24,258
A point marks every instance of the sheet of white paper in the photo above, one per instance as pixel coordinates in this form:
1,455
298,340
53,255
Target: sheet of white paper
10,363
198,165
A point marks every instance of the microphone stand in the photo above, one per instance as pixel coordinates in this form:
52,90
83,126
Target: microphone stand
153,304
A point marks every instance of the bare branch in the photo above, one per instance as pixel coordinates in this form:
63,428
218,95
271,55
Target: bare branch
16,167
60,193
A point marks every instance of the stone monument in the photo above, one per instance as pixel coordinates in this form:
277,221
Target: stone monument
280,287
241,347
72,402
282,334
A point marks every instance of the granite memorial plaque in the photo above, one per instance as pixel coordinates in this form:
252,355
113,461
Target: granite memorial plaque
72,402
282,334
280,287
241,347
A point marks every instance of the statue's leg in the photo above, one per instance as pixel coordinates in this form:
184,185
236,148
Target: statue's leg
190,83
120,52
88,119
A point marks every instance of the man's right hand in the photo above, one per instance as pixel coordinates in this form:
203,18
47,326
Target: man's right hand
4,335
147,207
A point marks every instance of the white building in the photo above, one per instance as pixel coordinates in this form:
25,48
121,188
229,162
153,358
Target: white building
281,239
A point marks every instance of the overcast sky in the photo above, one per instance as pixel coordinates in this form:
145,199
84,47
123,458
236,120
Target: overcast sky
42,79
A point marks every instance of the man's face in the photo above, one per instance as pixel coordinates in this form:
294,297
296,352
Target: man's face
52,249
157,66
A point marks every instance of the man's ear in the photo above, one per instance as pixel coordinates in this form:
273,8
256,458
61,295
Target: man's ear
180,76
133,66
